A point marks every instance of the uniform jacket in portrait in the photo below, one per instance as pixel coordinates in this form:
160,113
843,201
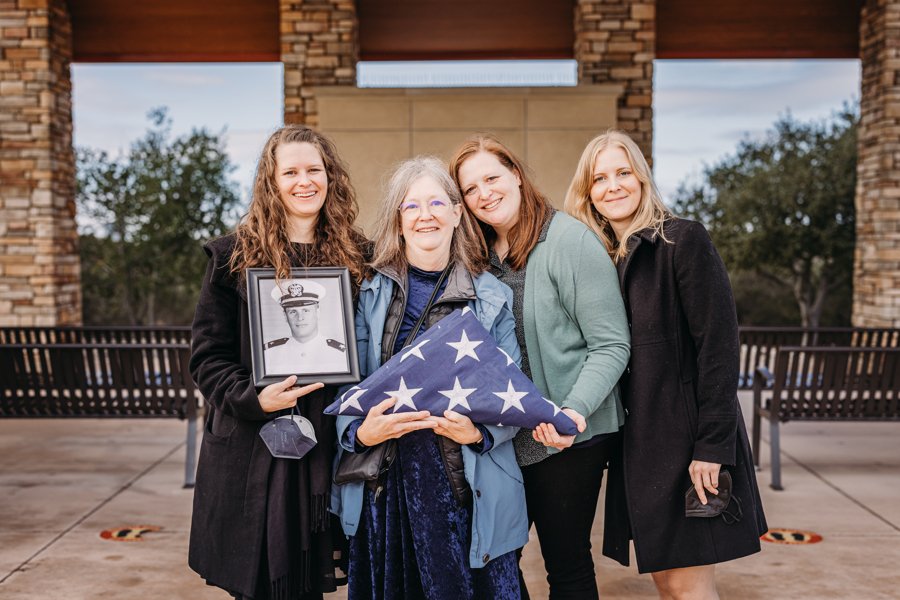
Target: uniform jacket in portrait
287,356
681,400
499,521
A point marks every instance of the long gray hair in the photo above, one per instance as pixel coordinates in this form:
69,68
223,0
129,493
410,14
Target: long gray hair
467,247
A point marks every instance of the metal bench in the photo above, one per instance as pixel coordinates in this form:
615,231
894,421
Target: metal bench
824,384
105,380
760,344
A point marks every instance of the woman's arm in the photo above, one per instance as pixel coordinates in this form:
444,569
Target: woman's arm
215,338
595,303
708,305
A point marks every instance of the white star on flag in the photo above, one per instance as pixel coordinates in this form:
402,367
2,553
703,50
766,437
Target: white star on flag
439,378
465,347
353,400
458,395
556,409
404,396
414,351
511,398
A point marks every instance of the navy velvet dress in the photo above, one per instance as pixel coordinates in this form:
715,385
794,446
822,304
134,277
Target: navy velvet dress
413,536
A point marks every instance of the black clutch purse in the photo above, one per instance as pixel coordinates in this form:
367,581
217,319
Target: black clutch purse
716,505
366,466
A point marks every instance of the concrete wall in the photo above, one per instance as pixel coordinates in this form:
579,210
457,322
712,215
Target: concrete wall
548,127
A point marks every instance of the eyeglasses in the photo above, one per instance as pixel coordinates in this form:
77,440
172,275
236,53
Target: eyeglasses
436,206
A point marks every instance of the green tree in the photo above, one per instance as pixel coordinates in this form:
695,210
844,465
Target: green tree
783,209
143,216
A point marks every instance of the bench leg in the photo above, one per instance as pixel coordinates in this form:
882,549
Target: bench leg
775,443
756,425
190,453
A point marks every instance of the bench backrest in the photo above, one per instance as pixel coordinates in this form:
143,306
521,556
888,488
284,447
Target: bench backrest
96,380
96,335
841,383
759,345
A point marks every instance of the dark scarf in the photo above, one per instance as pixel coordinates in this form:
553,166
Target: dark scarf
298,540
299,548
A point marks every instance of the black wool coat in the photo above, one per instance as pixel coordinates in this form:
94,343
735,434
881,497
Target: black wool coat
681,402
230,497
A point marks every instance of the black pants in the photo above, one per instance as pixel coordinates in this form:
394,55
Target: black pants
561,492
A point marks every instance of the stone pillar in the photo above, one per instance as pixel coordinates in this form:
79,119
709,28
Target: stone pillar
319,46
876,284
39,265
615,42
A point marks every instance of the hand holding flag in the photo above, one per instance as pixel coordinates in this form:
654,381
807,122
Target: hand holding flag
455,365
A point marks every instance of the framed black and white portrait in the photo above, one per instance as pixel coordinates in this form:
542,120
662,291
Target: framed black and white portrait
302,326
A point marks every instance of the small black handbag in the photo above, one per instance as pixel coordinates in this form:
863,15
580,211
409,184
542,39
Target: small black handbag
716,505
366,466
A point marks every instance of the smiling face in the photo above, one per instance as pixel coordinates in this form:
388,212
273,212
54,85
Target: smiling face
303,321
491,190
301,179
427,221
615,189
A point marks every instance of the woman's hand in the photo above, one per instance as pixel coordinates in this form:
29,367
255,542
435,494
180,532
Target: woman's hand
705,477
457,427
546,433
378,427
281,395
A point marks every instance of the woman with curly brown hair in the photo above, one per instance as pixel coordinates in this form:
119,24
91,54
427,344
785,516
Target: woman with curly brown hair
260,526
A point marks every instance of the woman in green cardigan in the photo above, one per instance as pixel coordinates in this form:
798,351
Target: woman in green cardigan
573,331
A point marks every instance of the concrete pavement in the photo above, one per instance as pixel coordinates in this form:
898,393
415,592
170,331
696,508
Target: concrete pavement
63,482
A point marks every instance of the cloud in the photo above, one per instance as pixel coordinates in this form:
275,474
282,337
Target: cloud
703,109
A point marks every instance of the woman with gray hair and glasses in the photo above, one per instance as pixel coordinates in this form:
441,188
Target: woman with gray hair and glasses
420,532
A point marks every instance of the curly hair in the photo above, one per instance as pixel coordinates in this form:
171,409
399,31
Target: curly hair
534,210
262,238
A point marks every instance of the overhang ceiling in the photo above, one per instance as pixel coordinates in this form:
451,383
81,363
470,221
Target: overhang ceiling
248,30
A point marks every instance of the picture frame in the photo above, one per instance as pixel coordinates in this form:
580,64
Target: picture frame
302,326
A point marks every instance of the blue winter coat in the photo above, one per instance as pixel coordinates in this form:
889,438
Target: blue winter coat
499,517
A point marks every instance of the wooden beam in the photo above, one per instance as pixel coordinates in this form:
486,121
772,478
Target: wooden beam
718,29
175,31
248,30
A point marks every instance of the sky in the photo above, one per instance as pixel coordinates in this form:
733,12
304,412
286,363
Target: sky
702,108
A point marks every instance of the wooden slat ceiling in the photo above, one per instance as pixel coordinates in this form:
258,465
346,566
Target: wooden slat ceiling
174,30
248,30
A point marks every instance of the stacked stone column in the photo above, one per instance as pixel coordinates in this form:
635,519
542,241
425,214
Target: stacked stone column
39,266
876,289
319,46
615,42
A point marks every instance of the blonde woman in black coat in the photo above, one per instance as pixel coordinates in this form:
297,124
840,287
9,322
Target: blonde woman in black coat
684,424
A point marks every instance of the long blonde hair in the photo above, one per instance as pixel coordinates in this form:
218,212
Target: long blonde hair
651,212
262,236
467,247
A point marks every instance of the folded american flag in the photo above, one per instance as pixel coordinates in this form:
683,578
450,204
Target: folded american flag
456,365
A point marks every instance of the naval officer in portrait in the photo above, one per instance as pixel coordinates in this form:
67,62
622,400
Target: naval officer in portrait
306,351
